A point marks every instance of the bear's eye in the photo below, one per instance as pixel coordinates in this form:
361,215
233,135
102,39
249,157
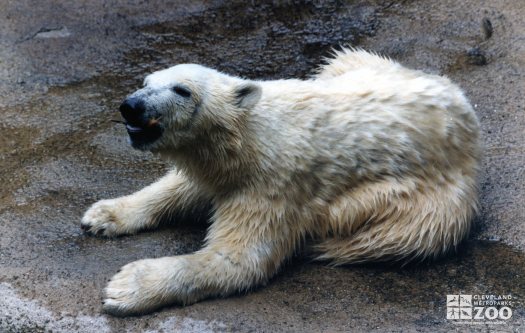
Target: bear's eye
181,91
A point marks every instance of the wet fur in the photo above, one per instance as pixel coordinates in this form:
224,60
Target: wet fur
371,160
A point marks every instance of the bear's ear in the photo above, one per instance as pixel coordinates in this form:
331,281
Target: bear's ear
247,94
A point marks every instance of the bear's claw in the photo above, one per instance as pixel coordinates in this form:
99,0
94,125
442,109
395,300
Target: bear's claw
100,220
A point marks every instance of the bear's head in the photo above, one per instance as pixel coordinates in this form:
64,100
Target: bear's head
183,103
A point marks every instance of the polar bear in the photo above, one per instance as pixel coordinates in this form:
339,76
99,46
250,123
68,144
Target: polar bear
369,160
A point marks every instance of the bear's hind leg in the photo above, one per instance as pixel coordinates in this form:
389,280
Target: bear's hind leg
399,221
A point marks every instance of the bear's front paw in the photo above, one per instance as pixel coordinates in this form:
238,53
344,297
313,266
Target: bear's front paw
145,285
101,219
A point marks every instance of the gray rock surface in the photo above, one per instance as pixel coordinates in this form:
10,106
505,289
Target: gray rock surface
66,65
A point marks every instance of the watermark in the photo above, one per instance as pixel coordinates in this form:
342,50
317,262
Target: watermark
479,309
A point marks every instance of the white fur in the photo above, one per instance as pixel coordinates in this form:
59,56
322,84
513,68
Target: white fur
371,160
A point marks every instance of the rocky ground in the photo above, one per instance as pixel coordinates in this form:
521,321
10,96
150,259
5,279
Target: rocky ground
66,65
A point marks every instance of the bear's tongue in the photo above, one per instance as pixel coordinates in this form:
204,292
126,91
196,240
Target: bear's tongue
132,128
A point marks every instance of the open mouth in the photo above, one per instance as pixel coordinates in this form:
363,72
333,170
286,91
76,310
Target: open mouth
142,134
138,128
134,129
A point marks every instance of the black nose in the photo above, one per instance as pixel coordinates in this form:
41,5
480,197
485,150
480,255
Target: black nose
132,109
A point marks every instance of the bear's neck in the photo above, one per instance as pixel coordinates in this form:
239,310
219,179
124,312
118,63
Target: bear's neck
222,161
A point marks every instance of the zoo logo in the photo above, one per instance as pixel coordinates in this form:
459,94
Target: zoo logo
462,307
